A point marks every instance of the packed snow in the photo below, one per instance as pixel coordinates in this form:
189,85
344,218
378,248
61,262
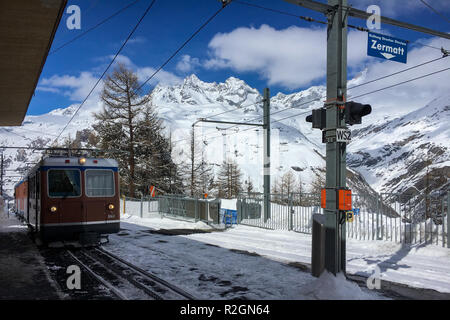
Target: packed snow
267,256
214,270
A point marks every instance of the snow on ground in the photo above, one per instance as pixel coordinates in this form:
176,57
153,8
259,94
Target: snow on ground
156,222
261,272
203,264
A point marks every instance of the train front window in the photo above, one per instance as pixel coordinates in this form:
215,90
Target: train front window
64,183
99,183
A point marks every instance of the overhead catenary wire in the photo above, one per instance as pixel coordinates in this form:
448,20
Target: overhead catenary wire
353,97
309,19
435,11
353,87
234,109
400,83
107,68
395,73
94,27
183,45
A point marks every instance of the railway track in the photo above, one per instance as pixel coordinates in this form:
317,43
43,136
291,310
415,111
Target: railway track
125,280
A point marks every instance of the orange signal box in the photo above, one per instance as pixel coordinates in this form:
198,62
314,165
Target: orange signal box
323,198
344,199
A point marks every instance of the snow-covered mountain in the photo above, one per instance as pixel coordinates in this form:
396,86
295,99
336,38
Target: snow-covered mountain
381,151
407,154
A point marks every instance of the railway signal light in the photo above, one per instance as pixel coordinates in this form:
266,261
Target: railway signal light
355,111
318,118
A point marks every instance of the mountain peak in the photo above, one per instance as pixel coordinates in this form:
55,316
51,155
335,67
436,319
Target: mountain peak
192,79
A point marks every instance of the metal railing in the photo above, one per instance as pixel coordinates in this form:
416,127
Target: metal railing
144,207
287,212
191,208
402,218
408,219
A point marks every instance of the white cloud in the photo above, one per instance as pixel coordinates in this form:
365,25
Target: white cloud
187,64
78,86
162,77
294,57
409,96
137,40
47,89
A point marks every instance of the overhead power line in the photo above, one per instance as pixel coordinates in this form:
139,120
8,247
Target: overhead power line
435,11
107,68
400,83
234,109
395,73
362,95
309,19
94,27
183,45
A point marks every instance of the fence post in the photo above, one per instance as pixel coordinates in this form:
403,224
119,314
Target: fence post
378,217
196,208
291,209
448,219
142,206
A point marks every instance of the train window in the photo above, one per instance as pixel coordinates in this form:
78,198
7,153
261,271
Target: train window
99,183
64,183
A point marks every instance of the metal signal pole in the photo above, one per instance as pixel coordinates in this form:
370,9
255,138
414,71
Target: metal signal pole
337,12
335,236
266,127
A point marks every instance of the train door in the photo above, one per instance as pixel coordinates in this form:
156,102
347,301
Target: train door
99,192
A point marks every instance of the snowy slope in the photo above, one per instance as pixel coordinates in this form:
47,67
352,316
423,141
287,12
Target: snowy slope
396,155
294,143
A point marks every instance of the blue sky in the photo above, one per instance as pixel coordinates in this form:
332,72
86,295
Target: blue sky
260,47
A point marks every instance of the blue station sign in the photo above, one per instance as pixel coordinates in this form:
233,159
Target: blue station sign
386,47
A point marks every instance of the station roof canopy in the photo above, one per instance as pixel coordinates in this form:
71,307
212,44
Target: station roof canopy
27,29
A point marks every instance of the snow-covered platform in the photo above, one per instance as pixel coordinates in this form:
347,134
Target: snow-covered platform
264,260
23,273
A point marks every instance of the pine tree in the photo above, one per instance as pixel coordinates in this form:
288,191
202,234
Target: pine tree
288,183
229,180
318,183
118,120
154,155
249,185
192,164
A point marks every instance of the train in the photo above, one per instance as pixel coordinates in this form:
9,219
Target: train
70,198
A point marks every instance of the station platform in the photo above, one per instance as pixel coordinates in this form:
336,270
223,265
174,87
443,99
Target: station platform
23,273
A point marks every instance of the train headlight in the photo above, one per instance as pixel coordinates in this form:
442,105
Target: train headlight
111,206
82,161
53,209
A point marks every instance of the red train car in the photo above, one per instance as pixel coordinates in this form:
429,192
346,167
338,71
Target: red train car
21,198
65,198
